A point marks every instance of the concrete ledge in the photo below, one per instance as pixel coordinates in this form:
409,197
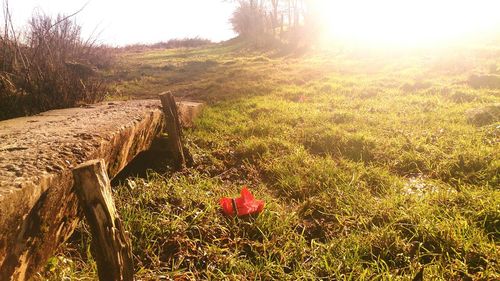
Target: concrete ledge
188,111
38,208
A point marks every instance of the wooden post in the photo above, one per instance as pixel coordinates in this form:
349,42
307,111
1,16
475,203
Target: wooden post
111,245
174,130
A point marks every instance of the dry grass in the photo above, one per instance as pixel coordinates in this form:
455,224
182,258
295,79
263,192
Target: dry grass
49,66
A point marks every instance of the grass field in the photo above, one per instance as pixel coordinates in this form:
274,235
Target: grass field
373,165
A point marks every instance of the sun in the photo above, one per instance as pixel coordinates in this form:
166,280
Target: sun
409,22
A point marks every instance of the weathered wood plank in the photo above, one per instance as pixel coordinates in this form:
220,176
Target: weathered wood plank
38,207
111,245
174,129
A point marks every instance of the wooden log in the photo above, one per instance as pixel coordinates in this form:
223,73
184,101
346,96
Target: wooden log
111,245
174,130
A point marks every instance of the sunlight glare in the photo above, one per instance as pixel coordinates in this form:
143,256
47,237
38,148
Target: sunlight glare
410,22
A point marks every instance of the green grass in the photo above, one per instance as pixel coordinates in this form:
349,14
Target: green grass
369,165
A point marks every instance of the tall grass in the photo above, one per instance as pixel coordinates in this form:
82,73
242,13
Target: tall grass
48,66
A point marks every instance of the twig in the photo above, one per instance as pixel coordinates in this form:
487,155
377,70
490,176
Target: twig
56,23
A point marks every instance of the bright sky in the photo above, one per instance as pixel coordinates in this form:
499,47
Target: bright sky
369,22
411,22
138,21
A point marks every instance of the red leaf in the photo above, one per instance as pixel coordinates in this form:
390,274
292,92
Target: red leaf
244,205
227,206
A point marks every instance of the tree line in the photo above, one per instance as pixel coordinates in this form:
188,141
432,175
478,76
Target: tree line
287,20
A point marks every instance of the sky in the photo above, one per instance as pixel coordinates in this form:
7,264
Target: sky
412,22
382,22
121,22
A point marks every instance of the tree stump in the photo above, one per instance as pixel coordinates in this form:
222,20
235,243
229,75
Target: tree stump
174,130
111,245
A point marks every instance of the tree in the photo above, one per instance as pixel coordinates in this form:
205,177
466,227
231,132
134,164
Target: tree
249,18
260,18
274,15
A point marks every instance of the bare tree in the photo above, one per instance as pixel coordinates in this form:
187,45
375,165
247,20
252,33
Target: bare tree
261,18
274,15
249,18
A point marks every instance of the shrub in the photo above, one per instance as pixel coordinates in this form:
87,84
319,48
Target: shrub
194,42
50,66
